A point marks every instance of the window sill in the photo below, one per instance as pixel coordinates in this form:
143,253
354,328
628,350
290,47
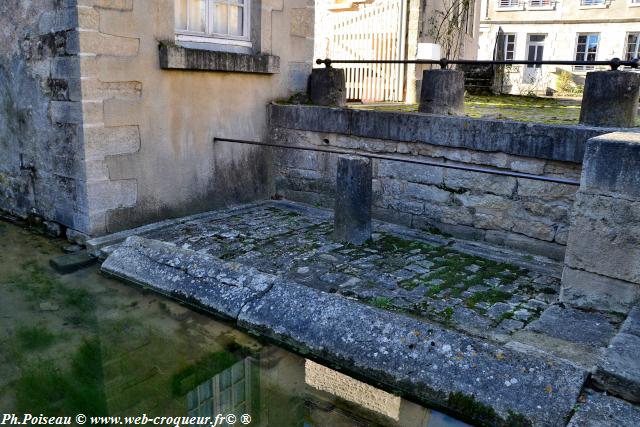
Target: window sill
510,9
593,6
174,57
548,7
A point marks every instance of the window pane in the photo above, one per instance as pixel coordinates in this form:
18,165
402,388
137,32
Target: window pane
197,15
181,14
235,20
220,24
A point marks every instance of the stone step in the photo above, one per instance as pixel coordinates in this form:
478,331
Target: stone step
618,371
469,376
601,410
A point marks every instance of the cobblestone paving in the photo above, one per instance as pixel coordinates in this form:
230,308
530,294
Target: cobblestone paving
462,291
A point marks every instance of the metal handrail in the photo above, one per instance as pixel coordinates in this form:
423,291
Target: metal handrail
614,63
336,150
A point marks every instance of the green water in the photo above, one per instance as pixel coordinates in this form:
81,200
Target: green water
84,344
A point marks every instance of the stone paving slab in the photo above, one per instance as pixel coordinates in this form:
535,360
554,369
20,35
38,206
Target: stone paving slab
423,359
618,371
430,276
222,287
601,410
466,375
569,324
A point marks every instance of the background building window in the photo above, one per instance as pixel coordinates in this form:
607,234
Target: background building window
631,49
591,2
539,3
228,19
508,3
507,46
586,50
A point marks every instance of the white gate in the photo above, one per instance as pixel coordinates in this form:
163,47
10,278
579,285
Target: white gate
374,31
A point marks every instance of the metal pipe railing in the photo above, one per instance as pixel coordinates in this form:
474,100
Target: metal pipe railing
614,63
533,177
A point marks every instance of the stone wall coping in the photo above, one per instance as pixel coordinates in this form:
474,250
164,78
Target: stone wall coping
544,141
174,57
612,165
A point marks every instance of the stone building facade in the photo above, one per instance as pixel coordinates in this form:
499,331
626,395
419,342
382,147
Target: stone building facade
109,108
556,30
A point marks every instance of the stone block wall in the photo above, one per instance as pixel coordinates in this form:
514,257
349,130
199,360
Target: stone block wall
96,136
602,267
41,161
520,213
149,132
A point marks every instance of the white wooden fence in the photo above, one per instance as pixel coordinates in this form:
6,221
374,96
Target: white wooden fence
374,31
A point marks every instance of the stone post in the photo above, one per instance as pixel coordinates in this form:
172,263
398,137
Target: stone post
327,87
602,261
352,214
610,99
442,92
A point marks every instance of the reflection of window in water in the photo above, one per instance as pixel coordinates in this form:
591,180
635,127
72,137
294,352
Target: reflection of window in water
229,392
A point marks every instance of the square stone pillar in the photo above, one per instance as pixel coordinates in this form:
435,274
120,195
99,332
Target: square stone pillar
602,261
352,213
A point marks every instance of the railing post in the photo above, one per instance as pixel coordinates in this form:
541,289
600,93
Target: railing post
442,92
610,99
602,267
352,213
327,87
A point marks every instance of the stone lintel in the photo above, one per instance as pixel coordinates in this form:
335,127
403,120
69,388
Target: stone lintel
174,57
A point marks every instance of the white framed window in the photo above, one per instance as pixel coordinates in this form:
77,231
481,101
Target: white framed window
506,47
218,20
508,4
540,3
634,3
632,46
586,49
592,2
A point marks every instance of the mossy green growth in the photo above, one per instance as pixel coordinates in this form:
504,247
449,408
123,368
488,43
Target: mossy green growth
470,408
206,368
34,337
447,314
490,296
381,302
45,388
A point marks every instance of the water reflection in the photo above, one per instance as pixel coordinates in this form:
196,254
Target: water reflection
82,343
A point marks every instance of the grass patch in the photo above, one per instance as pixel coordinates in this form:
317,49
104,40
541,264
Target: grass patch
507,107
34,337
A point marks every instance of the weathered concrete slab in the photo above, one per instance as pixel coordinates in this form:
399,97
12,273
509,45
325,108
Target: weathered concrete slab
605,411
575,326
426,361
618,372
220,287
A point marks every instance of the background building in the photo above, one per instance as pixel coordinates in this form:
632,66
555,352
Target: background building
393,29
556,29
